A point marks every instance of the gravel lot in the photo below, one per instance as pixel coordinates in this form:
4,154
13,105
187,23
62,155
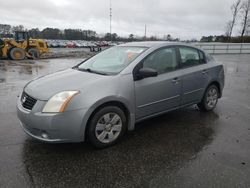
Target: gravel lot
185,148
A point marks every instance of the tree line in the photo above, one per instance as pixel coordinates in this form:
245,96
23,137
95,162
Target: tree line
78,34
55,33
7,31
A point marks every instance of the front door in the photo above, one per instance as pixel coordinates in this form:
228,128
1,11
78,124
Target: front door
161,93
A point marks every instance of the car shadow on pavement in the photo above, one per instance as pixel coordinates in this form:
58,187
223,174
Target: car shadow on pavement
164,143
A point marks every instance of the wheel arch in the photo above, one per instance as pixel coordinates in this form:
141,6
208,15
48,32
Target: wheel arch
217,84
118,103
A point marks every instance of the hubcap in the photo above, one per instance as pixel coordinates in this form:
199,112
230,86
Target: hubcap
212,98
108,127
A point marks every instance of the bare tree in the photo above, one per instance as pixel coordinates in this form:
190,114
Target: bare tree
245,8
228,29
235,10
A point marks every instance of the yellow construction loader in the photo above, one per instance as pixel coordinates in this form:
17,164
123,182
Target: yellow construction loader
22,47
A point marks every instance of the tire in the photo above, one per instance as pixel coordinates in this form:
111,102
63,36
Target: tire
35,54
210,99
16,53
102,132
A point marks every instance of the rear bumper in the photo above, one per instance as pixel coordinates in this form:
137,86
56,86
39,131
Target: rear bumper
52,127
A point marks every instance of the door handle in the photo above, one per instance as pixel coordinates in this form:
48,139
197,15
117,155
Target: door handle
204,71
176,80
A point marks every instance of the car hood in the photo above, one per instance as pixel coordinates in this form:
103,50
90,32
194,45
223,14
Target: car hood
45,87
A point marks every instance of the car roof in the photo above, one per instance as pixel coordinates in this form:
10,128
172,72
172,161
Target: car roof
150,44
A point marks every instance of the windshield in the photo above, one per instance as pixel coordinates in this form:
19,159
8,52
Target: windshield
113,60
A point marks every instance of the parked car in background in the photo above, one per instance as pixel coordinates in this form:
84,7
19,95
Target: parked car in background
77,44
104,96
70,44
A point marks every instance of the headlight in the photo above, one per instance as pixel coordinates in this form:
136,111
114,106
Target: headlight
59,102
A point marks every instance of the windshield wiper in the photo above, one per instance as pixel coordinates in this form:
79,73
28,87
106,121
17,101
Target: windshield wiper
91,71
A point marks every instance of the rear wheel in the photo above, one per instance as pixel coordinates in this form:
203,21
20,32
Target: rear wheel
210,99
17,53
107,126
34,53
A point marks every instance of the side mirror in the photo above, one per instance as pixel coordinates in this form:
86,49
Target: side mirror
146,72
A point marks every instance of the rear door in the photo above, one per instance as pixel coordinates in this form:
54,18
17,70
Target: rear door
194,74
161,93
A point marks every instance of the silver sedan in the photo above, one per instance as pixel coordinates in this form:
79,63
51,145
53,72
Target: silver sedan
104,96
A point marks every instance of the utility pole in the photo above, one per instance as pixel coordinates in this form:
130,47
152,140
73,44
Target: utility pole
145,35
110,20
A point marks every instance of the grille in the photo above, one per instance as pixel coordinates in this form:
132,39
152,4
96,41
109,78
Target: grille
27,101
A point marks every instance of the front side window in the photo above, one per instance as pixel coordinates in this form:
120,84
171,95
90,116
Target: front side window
189,56
163,60
113,60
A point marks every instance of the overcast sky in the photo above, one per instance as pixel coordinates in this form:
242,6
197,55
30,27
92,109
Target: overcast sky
181,18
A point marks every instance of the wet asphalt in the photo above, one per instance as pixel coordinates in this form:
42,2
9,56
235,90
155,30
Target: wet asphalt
184,148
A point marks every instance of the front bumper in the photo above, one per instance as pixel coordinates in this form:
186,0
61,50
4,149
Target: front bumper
41,135
52,127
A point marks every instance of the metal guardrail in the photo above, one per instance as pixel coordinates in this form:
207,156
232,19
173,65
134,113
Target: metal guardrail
225,48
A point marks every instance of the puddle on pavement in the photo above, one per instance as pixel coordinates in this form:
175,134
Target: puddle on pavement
12,71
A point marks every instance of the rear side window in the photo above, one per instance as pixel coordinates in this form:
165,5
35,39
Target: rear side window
191,56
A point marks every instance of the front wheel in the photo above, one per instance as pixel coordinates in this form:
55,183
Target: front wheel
107,126
210,99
